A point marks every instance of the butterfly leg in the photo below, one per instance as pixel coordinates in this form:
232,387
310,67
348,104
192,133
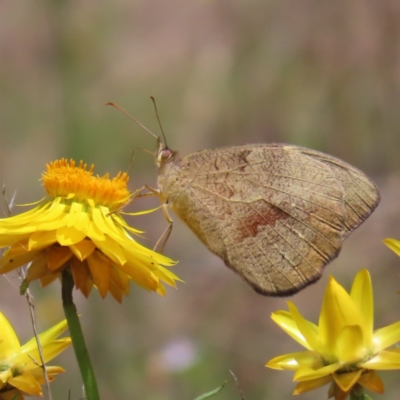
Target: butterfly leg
151,192
136,195
167,232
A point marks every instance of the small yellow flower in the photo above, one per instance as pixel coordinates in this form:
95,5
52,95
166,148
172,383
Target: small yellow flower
393,244
343,349
21,370
80,228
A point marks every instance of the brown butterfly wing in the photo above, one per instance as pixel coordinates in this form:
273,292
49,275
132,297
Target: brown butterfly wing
360,194
276,214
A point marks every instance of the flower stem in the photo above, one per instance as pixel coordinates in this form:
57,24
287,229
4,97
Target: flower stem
78,341
357,393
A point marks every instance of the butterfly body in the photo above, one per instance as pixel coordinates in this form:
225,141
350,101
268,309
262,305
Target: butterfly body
275,213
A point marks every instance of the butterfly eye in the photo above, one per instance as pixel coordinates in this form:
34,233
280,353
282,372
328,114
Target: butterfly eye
165,154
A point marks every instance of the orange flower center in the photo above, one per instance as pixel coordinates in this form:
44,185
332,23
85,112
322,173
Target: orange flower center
64,179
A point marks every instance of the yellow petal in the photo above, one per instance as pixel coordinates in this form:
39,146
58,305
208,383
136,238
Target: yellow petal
141,275
57,257
166,275
93,232
31,357
74,213
9,343
52,219
294,361
361,293
47,336
384,360
50,370
83,249
4,377
135,251
372,381
336,392
82,222
41,239
387,336
306,329
116,291
118,220
120,279
110,223
9,262
38,268
348,380
69,235
338,310
100,221
306,373
312,384
82,277
87,288
19,248
80,273
350,344
111,249
100,270
27,383
9,238
149,277
160,289
22,219
47,279
393,244
285,320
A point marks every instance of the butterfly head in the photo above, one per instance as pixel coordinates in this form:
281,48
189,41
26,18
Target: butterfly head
168,165
163,154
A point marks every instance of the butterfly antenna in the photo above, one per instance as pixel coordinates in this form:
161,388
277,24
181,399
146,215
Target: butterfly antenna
159,121
134,120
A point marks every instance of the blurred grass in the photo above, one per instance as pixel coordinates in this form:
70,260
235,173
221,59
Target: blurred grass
319,74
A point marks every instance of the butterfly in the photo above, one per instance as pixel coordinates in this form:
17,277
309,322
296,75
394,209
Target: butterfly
276,214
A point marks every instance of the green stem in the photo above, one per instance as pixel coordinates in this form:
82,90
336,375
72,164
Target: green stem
357,393
78,341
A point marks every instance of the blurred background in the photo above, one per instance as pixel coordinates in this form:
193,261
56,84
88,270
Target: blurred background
320,74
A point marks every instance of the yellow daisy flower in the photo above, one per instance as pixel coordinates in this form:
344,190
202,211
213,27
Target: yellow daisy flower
80,228
21,371
393,244
343,349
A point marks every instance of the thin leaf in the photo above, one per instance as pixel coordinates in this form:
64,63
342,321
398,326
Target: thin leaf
209,394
